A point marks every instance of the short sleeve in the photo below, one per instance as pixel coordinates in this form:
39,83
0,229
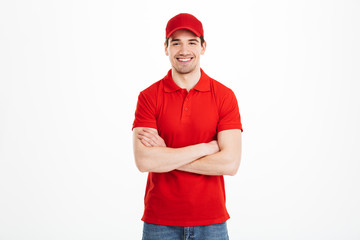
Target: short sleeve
229,115
145,112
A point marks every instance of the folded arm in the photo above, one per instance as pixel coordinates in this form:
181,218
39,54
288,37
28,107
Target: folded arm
224,162
152,155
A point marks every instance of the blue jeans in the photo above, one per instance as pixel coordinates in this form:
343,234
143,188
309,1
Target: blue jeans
207,232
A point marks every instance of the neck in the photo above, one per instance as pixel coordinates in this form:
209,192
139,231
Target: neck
187,80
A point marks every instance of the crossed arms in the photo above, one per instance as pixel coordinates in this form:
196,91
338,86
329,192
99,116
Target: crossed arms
221,157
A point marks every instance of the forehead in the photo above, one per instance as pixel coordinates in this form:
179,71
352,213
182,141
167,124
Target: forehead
183,34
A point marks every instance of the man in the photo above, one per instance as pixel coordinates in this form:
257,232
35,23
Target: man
187,135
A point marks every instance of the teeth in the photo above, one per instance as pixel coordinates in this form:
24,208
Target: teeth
184,59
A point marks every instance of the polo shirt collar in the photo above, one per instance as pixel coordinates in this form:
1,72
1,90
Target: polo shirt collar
203,85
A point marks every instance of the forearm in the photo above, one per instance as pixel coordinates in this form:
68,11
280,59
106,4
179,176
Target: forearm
216,164
152,154
165,159
224,162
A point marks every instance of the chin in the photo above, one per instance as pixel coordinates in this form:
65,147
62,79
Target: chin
185,70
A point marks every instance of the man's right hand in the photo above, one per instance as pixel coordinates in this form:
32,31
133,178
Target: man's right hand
150,138
152,154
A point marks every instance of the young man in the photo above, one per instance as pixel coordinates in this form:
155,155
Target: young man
187,135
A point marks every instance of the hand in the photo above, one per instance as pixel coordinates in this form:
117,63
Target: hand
150,138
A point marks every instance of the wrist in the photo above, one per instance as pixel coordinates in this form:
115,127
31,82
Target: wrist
206,149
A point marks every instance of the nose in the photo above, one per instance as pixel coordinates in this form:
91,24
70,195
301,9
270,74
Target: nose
184,49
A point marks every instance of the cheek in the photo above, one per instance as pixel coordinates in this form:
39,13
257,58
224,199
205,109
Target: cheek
173,54
198,53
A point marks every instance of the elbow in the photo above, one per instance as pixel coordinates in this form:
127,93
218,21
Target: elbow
142,161
140,164
141,169
145,164
232,172
233,167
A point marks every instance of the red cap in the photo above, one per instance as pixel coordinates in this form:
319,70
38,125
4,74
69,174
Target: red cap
184,21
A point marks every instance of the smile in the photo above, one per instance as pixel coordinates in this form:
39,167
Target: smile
184,59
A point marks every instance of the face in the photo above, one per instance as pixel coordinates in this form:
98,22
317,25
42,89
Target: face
184,51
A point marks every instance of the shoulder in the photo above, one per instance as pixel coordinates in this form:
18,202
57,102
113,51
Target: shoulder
153,88
219,89
150,95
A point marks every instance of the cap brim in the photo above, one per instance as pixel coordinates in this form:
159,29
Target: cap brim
187,28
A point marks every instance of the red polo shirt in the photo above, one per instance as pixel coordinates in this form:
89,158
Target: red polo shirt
182,118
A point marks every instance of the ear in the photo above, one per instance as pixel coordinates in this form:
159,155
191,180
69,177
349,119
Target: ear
166,50
203,48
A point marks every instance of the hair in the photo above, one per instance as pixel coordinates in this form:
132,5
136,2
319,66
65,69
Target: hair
202,40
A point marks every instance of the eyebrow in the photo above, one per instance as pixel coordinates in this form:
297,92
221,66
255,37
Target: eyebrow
190,40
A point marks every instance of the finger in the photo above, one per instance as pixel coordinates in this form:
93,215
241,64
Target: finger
145,143
146,133
160,142
153,137
150,130
149,141
154,142
146,137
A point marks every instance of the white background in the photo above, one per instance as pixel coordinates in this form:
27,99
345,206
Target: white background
70,74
